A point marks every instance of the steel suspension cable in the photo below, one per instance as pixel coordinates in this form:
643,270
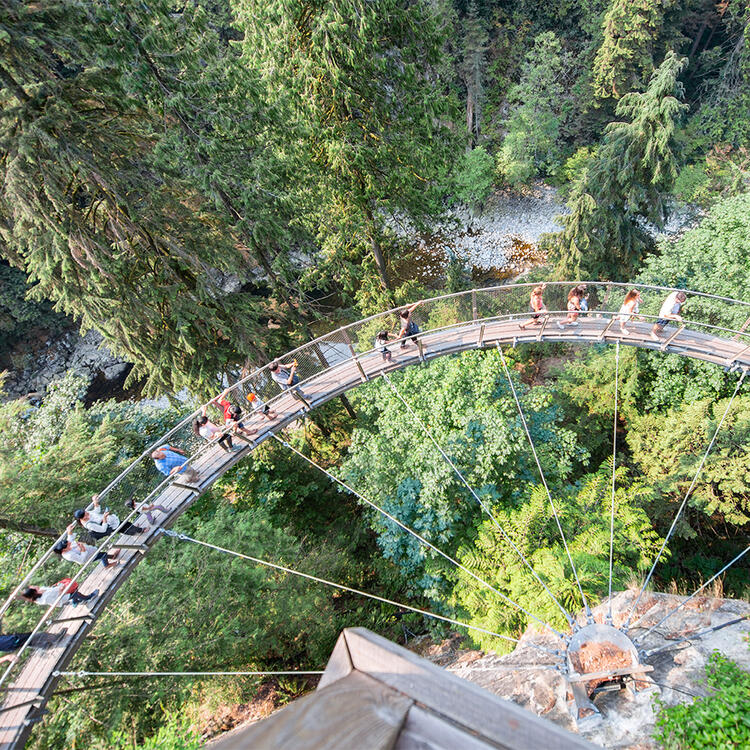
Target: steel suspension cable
333,584
482,504
544,481
695,593
614,465
421,539
685,499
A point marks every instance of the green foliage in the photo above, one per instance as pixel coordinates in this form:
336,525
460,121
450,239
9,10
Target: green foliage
94,213
358,84
473,180
722,117
713,257
532,145
718,721
466,403
584,515
55,456
626,184
625,59
19,316
176,734
724,172
668,449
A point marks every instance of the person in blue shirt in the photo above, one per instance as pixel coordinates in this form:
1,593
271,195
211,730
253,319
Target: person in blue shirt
170,460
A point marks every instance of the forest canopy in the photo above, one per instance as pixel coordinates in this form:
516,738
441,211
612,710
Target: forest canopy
209,184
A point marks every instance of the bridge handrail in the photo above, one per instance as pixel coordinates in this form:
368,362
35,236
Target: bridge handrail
343,332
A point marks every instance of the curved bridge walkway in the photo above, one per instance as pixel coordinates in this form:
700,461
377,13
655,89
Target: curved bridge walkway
34,680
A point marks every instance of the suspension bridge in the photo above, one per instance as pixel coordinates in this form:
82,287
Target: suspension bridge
714,330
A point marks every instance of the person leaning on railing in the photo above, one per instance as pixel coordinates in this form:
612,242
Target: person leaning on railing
101,524
286,376
78,552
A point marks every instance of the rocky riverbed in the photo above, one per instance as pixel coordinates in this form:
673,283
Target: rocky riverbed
51,359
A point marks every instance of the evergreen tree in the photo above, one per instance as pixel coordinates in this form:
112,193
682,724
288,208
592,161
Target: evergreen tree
92,215
359,80
532,144
625,185
475,38
625,59
584,513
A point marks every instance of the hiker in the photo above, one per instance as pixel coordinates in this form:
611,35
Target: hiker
630,308
670,310
14,641
46,596
205,428
583,300
170,460
259,406
536,305
286,376
146,511
408,326
232,414
77,552
381,340
101,525
574,307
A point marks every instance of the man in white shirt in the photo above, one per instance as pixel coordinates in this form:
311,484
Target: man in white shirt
46,596
101,524
286,376
670,310
78,552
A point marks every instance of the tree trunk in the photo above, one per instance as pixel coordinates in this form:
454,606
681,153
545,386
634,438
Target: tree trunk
470,113
7,523
377,253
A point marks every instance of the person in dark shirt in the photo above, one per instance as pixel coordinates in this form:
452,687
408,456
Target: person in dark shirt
11,642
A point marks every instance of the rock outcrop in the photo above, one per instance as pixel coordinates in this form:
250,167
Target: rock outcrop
85,355
528,676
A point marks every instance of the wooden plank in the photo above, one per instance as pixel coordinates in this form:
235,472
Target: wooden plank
353,713
423,730
339,663
463,702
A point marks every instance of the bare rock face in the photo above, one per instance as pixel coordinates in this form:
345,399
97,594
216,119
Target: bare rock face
84,355
531,678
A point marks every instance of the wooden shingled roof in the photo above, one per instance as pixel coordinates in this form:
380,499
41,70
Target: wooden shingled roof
376,695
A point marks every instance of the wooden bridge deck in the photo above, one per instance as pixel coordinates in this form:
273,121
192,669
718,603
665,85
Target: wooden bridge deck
36,682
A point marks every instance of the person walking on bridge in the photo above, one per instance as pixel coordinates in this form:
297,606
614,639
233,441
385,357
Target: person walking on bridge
170,460
574,307
46,596
259,406
78,552
536,305
205,428
408,326
670,310
101,524
630,308
232,415
13,641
